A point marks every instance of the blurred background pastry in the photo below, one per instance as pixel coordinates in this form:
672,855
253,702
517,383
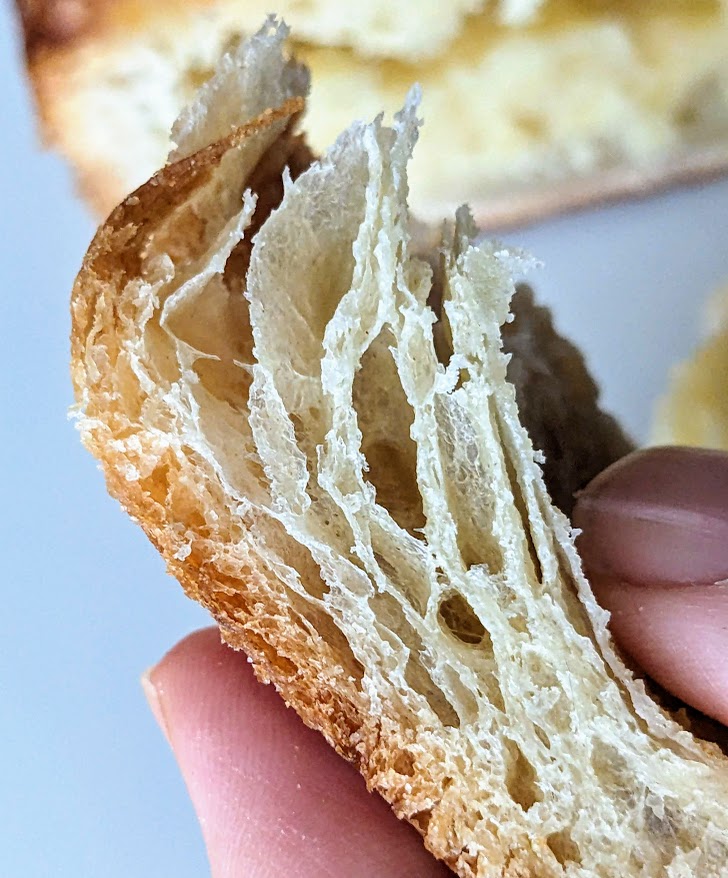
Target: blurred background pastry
533,106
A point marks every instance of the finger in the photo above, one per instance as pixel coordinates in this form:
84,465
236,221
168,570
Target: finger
272,797
657,517
679,636
655,546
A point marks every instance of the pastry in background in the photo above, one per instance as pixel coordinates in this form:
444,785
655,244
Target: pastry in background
694,410
533,106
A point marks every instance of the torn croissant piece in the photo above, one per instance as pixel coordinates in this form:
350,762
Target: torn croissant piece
255,366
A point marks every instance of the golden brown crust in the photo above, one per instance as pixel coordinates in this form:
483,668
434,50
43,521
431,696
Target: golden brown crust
112,258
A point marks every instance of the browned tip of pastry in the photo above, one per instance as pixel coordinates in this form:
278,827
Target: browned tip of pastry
52,23
116,251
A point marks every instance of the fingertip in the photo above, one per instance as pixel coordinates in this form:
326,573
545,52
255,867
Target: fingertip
677,635
154,702
272,797
172,672
657,517
654,543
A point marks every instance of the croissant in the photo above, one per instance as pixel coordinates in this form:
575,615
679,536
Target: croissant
341,477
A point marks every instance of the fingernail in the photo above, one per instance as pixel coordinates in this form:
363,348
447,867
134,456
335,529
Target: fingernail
657,517
153,695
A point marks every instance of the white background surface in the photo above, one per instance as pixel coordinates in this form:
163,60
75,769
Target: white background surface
87,786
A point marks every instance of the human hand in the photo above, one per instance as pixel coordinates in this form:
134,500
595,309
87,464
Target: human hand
271,796
274,799
655,549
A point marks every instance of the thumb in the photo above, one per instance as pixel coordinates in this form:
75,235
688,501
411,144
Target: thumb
271,796
655,546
